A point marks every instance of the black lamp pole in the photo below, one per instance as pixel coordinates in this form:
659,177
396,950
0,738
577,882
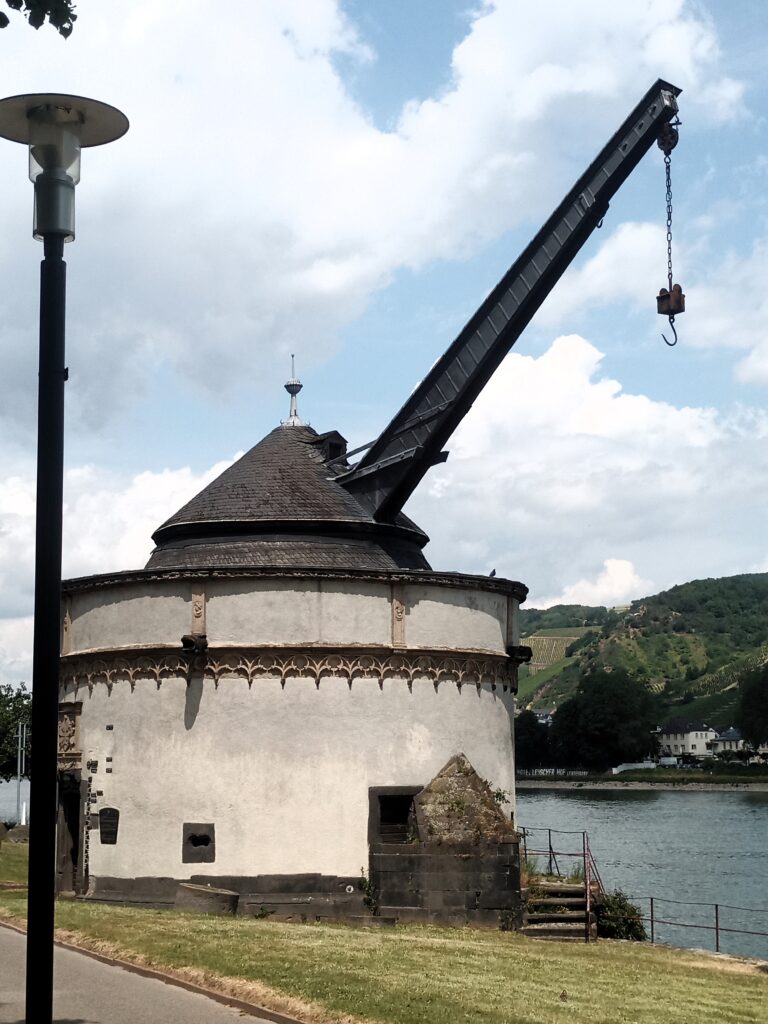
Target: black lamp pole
46,648
55,128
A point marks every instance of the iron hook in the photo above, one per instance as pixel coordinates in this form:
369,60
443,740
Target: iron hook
672,325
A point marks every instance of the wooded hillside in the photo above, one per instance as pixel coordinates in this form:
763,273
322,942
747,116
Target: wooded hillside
690,644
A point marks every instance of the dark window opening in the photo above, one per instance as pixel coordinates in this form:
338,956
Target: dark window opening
198,843
397,819
109,820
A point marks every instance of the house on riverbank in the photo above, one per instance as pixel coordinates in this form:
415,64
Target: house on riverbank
680,737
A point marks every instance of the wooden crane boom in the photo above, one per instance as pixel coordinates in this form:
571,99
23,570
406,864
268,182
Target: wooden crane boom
396,462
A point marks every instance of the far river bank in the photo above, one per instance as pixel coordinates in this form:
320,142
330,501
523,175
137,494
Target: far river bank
613,784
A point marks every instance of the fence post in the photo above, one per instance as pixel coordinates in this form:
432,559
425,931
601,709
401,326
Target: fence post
717,928
653,935
587,887
549,844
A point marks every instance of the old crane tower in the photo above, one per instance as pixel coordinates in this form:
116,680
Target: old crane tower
274,693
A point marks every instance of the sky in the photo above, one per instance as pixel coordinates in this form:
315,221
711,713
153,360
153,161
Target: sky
346,180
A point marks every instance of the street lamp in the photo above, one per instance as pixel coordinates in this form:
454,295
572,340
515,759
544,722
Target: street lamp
55,128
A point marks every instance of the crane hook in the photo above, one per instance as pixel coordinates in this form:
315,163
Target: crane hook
668,303
672,325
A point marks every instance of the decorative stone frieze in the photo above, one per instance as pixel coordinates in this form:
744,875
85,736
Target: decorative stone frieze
254,665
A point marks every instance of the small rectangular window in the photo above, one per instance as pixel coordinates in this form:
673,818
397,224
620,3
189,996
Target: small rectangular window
198,843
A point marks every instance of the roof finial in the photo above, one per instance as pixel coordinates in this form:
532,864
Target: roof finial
293,387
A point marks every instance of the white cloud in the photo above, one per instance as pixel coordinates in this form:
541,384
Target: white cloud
624,270
16,650
555,473
726,301
108,523
618,583
254,207
557,470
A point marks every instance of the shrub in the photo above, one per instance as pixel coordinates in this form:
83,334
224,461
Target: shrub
618,918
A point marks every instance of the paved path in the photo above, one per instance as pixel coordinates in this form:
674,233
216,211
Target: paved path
90,992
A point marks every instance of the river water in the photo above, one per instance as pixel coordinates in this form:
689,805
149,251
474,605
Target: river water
700,847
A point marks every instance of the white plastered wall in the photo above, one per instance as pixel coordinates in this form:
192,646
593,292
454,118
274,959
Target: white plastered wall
282,772
286,613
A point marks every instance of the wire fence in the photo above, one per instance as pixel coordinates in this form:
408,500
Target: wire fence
545,852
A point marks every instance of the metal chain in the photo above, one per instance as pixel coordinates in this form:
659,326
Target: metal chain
667,141
668,171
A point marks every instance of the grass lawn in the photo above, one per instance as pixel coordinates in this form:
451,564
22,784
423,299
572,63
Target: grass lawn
13,862
423,975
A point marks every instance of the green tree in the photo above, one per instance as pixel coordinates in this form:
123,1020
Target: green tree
531,741
752,710
15,707
59,13
610,719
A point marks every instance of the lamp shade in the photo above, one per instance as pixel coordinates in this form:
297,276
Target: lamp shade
100,123
56,127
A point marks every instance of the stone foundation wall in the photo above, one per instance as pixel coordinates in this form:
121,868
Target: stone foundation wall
300,897
460,883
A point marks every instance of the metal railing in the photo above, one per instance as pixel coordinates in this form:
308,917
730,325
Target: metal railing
546,844
593,883
653,919
583,853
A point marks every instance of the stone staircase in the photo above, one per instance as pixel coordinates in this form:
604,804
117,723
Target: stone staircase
558,911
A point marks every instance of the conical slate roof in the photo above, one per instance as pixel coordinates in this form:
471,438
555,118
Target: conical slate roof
283,477
281,505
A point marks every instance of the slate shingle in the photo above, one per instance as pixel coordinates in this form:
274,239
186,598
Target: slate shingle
283,477
251,515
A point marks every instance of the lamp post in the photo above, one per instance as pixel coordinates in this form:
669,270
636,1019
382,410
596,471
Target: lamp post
55,128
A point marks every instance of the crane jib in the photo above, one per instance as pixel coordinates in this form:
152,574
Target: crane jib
399,458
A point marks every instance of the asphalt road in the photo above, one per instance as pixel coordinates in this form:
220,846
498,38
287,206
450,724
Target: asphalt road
89,992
